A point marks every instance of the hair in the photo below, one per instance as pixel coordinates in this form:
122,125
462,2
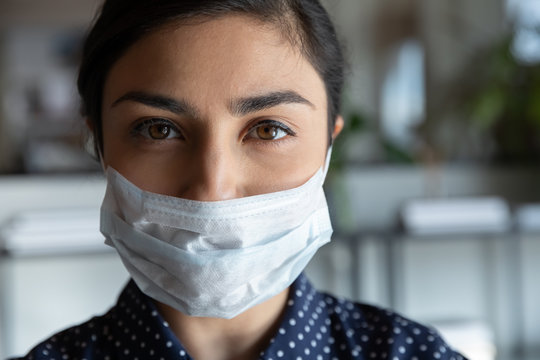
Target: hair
121,23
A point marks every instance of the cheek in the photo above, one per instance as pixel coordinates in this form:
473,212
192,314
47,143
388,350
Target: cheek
304,160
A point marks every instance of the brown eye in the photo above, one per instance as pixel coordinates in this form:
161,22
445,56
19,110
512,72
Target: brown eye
267,132
159,131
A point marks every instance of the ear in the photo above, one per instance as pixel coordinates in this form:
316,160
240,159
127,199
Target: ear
89,124
338,126
95,149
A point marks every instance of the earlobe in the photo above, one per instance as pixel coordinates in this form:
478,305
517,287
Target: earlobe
338,126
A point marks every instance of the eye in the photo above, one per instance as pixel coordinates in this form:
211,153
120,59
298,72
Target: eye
269,130
157,129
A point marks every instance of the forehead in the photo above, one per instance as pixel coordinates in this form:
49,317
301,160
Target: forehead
234,55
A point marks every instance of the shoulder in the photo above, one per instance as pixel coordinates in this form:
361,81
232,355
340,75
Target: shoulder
131,328
88,340
379,332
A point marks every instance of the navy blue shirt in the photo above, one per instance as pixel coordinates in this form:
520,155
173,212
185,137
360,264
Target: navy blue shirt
315,326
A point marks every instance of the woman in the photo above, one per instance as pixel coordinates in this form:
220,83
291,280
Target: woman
213,121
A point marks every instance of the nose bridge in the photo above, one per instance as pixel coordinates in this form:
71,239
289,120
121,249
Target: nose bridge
214,176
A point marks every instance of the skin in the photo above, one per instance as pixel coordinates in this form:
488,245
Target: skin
180,118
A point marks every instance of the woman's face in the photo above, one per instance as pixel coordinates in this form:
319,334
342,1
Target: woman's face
216,110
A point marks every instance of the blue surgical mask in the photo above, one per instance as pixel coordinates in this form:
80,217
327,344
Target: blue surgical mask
215,259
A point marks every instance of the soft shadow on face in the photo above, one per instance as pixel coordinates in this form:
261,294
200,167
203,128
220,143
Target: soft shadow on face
217,110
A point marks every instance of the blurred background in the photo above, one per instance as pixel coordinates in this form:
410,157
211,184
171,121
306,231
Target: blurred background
434,186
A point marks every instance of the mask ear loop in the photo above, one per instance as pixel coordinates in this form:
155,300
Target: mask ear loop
327,161
101,160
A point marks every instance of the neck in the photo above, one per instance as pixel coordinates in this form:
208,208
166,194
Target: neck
242,337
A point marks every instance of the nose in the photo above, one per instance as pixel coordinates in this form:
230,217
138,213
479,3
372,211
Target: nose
213,175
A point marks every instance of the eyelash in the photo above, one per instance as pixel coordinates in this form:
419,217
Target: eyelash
272,123
141,129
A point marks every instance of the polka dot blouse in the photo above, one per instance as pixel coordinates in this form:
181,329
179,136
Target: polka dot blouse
315,326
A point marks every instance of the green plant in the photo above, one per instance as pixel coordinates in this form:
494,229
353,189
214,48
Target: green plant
504,101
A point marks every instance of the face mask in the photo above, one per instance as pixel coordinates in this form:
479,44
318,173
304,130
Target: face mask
215,259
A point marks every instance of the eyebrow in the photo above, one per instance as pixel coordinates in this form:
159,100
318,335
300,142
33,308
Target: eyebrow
162,102
252,104
239,107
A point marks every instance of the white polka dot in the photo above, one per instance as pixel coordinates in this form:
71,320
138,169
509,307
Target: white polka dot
282,331
300,336
402,349
169,344
326,350
292,322
292,344
280,353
